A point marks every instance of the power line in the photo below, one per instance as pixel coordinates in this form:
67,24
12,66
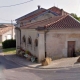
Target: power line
16,4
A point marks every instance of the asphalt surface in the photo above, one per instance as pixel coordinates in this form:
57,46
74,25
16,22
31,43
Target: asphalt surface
12,71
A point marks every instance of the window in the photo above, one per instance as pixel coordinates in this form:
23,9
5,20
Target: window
24,38
36,42
29,40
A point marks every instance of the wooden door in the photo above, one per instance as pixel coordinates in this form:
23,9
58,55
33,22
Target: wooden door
71,48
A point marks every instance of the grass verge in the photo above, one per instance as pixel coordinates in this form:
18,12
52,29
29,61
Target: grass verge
9,51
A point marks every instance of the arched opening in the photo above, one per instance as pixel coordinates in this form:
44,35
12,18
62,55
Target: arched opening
36,42
29,40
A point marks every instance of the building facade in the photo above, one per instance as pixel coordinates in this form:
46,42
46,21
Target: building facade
49,34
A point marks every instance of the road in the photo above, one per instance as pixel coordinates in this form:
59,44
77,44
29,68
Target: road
12,71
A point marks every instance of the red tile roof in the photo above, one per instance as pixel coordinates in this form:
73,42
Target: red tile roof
57,22
31,15
67,22
41,23
40,11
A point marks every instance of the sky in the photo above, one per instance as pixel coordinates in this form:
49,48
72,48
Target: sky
11,13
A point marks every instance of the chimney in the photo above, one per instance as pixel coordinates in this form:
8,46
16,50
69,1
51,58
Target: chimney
38,6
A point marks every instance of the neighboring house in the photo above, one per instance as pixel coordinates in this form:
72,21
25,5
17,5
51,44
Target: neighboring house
53,33
6,32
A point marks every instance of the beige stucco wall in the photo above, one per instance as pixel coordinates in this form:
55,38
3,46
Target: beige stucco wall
56,42
38,51
34,35
41,46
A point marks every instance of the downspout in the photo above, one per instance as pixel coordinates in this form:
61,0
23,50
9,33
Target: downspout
20,34
45,36
45,43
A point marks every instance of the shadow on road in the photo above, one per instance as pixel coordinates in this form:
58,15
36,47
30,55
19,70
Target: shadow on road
7,63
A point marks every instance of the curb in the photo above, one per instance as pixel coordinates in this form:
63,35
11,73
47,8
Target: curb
36,68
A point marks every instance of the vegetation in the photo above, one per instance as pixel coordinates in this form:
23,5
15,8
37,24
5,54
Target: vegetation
9,51
9,44
75,16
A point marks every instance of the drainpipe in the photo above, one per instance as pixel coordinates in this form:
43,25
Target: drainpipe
45,32
20,37
20,34
45,43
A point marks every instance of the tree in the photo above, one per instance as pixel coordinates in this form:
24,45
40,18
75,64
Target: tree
75,16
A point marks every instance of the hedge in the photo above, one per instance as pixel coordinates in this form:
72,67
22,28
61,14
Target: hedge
9,44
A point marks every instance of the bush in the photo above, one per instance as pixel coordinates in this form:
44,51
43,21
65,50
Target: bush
9,44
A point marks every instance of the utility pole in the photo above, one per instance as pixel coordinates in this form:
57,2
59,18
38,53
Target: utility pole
12,27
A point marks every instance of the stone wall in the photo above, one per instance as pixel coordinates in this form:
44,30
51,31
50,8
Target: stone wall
34,35
57,42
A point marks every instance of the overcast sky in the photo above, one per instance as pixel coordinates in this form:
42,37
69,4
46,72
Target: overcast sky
11,13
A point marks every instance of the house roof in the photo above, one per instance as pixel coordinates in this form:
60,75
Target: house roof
46,12
32,14
41,23
67,22
56,11
57,22
5,29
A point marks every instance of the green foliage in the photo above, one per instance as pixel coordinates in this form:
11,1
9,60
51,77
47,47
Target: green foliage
9,44
75,16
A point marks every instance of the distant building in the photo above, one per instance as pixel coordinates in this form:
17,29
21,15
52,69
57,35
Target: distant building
6,32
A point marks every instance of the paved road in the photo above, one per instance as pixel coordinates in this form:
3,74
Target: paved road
12,71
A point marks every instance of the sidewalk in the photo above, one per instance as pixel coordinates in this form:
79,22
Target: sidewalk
60,63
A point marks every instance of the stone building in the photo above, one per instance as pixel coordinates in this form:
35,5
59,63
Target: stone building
48,33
